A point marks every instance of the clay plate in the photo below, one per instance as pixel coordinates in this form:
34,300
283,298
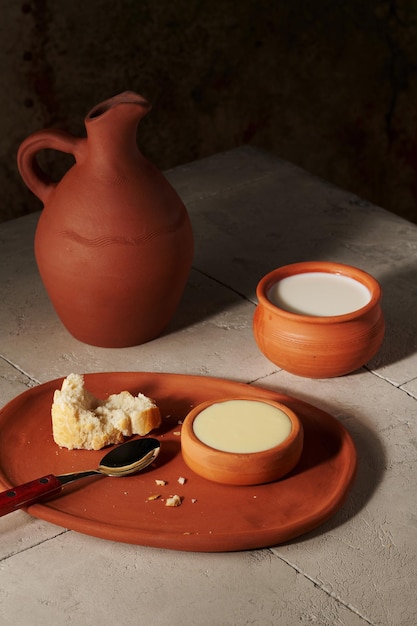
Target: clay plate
212,517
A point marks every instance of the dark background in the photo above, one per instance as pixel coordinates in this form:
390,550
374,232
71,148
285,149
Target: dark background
329,85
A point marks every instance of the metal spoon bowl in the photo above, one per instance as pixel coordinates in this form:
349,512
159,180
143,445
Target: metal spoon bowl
128,458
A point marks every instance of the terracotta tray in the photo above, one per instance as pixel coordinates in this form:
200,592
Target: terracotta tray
212,517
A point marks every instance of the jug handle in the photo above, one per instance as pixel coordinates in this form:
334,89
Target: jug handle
33,175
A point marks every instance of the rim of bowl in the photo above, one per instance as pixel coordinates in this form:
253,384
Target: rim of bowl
330,267
294,432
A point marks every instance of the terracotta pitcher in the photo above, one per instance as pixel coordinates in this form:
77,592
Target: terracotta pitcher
114,243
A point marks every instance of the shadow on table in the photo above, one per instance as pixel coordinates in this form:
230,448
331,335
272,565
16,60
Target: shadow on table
371,467
399,305
203,299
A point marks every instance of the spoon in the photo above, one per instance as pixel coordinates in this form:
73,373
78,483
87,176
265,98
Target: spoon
128,458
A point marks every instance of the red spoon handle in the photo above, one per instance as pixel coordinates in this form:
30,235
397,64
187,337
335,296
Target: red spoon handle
28,493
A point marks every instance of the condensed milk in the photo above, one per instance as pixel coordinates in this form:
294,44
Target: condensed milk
242,426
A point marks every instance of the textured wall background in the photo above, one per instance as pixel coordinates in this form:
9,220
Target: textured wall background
328,85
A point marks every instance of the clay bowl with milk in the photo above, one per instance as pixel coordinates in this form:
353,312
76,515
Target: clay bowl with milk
319,319
241,441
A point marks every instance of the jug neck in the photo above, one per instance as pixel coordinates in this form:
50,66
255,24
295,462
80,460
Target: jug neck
112,126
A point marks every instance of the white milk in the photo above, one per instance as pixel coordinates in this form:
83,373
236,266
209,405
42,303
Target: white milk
319,294
242,426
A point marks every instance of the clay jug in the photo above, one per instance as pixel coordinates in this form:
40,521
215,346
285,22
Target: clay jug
114,243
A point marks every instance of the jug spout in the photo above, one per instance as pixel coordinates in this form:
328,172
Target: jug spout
125,98
112,128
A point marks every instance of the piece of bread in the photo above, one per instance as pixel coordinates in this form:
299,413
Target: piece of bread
82,421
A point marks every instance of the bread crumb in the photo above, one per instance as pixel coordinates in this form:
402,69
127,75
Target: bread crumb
154,497
173,501
182,480
193,500
160,483
177,433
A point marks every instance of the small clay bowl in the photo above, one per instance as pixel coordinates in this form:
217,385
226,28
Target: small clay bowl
241,468
318,345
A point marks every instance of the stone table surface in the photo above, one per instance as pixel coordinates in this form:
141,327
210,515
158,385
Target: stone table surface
251,212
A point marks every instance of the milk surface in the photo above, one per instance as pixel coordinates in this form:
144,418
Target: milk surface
319,294
242,426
